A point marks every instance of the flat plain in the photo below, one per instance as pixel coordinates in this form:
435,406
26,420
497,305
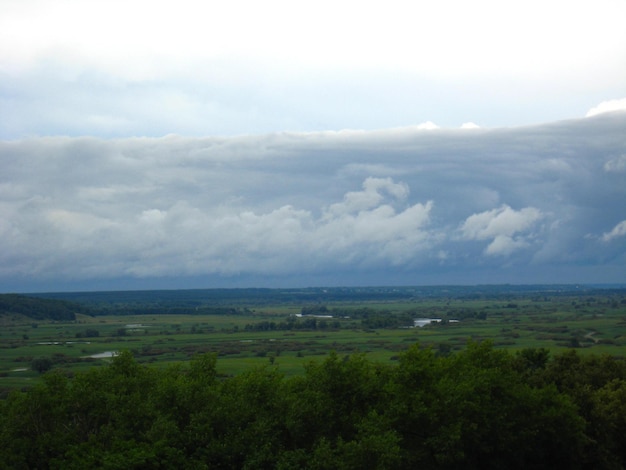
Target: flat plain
287,333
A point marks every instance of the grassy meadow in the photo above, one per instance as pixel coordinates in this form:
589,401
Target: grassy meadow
589,323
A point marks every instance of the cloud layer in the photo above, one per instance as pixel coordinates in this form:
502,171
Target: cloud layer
195,68
529,204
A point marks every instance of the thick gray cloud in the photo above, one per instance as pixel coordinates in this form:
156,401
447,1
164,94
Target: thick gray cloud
529,204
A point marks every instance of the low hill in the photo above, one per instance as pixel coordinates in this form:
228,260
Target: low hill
38,308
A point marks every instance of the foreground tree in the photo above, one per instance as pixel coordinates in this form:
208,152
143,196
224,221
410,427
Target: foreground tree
480,408
41,364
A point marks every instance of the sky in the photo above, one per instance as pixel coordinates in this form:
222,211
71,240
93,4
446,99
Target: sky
193,144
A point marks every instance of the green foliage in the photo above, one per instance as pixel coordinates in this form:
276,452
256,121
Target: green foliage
41,364
445,404
40,309
88,333
473,409
314,310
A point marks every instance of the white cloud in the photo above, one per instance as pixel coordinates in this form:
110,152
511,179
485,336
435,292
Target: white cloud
371,196
507,228
469,125
428,125
153,216
503,245
187,240
618,231
607,107
501,221
362,231
616,165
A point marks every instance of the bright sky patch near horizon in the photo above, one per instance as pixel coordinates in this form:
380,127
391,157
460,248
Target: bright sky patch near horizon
198,144
139,68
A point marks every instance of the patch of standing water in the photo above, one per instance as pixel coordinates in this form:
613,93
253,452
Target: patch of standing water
64,342
103,355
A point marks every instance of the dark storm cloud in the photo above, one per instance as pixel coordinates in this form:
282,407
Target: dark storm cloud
473,204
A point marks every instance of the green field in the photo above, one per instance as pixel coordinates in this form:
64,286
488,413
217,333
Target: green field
590,323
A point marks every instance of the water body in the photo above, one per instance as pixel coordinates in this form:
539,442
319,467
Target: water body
65,342
103,355
420,322
136,327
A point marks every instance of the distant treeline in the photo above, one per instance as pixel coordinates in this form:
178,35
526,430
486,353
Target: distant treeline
259,297
481,408
40,309
238,301
165,310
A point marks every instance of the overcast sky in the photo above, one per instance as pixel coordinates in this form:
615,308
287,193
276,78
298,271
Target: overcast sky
281,143
120,68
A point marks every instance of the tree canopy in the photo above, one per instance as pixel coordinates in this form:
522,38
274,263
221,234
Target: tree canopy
479,408
40,309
